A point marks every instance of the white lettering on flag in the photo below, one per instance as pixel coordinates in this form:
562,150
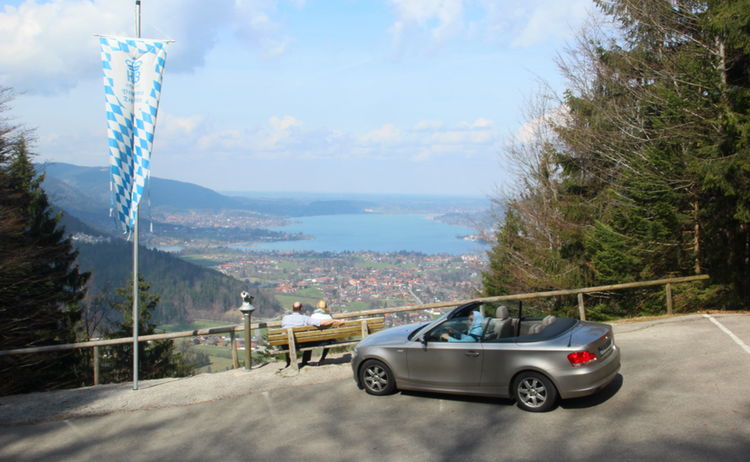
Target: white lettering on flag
133,69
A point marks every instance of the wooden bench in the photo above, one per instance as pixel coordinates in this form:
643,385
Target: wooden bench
285,340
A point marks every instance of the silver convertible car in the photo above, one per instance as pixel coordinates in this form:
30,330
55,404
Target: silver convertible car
479,349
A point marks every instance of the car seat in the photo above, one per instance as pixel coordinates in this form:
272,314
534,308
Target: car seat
537,328
503,324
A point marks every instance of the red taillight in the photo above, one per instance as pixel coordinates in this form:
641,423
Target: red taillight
581,358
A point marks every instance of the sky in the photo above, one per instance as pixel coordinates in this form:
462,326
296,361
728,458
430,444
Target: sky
360,96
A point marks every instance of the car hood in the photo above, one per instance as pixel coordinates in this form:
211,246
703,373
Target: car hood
394,335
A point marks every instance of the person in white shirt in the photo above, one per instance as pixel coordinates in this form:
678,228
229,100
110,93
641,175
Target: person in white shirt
322,313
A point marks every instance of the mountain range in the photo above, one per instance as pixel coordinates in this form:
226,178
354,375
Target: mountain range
84,191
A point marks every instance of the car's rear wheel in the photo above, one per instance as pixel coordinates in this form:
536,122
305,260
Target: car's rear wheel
534,392
377,378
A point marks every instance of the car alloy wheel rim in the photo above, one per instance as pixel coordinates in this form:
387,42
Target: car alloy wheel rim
375,378
532,392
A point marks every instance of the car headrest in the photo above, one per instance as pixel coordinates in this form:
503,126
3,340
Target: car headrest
502,312
549,319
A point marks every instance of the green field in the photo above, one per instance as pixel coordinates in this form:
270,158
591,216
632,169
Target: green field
311,292
205,261
287,300
218,364
221,358
353,306
214,351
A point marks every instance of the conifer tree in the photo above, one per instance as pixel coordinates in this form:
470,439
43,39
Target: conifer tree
651,167
40,284
156,359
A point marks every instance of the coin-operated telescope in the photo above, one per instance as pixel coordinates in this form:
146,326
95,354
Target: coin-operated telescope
247,309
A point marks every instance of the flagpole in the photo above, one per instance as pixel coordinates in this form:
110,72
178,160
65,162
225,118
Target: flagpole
135,243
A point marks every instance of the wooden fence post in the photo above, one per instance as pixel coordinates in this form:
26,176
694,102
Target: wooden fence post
292,348
235,358
95,352
365,330
581,307
669,298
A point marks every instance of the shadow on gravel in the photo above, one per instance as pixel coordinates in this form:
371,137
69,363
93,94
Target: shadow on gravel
577,403
458,398
344,359
52,405
596,399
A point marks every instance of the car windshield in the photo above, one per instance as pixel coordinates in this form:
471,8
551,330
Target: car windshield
421,328
465,329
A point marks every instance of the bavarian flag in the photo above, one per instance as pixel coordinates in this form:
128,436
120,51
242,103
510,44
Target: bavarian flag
133,69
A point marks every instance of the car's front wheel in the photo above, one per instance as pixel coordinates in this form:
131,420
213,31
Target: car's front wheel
534,392
377,378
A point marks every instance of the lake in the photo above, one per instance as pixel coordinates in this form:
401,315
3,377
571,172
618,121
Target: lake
375,232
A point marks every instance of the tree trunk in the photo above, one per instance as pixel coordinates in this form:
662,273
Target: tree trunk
697,238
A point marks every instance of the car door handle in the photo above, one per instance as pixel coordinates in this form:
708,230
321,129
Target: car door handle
473,354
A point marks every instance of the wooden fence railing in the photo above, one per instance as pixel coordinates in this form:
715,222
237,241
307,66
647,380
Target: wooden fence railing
232,330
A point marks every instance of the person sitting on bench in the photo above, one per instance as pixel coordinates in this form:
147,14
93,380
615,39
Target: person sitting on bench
322,312
297,319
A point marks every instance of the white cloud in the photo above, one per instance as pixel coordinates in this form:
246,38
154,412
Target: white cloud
479,123
524,23
425,125
283,123
287,137
254,22
281,132
179,126
442,19
538,128
552,20
221,141
388,133
49,47
466,137
518,23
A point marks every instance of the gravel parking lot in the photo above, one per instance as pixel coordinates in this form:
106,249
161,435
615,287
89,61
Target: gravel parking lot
682,394
162,393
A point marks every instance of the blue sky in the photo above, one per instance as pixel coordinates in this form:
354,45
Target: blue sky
365,96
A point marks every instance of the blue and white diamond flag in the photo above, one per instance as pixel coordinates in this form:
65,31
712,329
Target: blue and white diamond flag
133,69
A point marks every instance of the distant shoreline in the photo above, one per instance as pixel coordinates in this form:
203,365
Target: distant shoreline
347,196
376,233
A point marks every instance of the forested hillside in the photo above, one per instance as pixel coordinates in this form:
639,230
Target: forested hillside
186,291
640,169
